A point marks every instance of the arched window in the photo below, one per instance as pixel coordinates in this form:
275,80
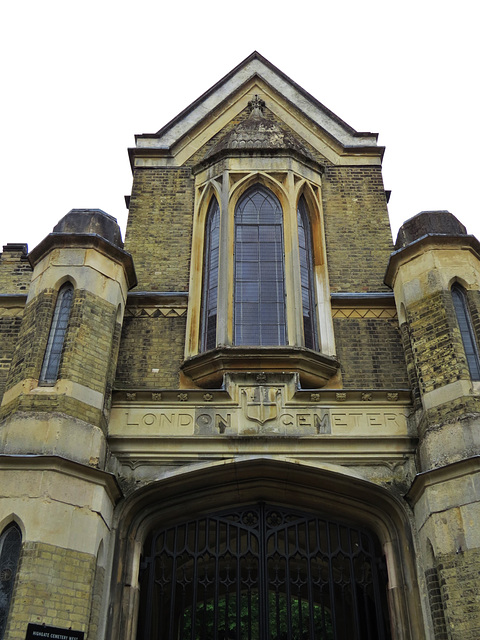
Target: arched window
306,274
10,545
466,331
210,280
56,339
259,276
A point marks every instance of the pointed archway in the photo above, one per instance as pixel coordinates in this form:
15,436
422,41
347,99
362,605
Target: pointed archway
334,530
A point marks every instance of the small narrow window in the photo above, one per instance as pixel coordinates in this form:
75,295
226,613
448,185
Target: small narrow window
259,309
10,545
466,331
306,274
210,281
56,339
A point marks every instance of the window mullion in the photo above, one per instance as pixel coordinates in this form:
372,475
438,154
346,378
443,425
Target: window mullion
225,268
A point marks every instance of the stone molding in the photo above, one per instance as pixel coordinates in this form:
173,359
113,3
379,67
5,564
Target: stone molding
363,312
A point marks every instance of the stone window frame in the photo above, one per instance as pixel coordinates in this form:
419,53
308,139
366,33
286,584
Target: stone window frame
288,186
8,569
57,335
268,329
210,280
467,332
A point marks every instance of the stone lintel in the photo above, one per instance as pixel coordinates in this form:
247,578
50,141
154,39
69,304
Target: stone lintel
134,452
13,300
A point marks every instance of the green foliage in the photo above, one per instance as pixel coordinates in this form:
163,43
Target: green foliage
242,623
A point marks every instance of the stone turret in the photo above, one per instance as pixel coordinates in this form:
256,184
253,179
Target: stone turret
54,415
435,275
84,252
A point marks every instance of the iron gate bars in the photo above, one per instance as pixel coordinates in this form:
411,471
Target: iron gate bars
262,573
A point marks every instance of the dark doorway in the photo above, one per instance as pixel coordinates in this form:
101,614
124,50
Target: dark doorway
262,573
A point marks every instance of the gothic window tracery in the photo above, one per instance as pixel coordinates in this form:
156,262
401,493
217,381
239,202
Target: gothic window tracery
259,277
246,268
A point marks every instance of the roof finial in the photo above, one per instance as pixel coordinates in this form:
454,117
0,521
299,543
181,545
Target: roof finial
256,105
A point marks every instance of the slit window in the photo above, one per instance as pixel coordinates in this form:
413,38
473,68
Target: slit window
306,274
210,282
56,338
10,545
466,331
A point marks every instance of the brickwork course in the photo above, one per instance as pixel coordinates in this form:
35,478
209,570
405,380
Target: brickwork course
146,430
55,589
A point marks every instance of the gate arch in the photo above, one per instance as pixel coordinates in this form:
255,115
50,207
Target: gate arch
329,493
262,572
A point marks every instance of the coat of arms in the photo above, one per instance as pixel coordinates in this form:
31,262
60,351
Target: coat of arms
261,403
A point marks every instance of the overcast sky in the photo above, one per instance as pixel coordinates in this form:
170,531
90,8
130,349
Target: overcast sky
79,79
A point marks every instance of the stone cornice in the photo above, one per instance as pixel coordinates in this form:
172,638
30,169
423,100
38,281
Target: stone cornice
208,368
67,467
345,450
85,241
429,242
440,475
215,397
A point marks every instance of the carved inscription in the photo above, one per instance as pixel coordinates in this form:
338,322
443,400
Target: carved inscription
260,414
211,422
161,423
381,421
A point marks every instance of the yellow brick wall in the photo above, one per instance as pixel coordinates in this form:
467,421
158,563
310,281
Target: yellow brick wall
436,342
10,321
148,344
15,270
53,586
357,228
370,353
159,229
459,585
88,341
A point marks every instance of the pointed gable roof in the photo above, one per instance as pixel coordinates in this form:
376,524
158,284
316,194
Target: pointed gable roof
301,112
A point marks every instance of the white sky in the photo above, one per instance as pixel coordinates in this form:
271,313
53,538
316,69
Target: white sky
79,79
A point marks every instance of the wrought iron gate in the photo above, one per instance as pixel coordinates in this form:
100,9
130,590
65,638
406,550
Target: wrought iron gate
262,573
